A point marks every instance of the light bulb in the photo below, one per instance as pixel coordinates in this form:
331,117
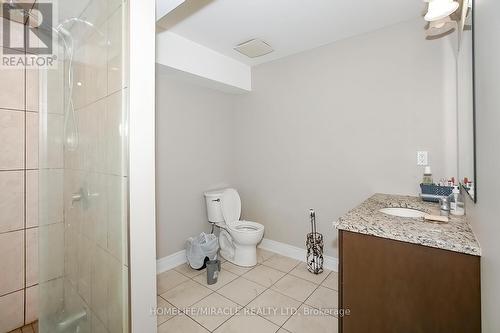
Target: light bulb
439,9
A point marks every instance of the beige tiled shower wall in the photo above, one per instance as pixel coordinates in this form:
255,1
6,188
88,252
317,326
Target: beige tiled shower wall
83,248
18,193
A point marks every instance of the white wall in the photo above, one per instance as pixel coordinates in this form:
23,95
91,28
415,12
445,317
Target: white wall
327,128
142,165
195,137
484,215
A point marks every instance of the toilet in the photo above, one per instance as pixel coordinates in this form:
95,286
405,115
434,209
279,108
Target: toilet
237,239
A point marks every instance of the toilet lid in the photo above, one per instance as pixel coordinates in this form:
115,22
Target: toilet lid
231,205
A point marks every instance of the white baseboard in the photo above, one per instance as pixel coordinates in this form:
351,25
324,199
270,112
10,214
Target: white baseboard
331,263
295,252
166,263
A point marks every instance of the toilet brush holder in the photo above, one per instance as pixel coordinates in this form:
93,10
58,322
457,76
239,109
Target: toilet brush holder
213,269
314,245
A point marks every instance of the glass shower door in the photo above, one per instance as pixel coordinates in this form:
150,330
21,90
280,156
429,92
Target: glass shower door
83,176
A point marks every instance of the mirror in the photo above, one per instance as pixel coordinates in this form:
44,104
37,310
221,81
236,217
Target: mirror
465,105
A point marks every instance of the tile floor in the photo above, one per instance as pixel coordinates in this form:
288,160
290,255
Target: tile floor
277,295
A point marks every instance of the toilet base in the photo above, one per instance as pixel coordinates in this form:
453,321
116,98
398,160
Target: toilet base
244,255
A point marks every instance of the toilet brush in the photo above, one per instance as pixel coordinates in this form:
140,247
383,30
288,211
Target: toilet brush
314,244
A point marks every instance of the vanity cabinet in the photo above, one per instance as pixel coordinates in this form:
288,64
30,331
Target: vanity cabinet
394,286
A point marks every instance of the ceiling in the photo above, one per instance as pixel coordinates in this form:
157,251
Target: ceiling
289,26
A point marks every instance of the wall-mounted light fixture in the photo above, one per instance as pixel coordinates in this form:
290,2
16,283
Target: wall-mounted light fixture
445,17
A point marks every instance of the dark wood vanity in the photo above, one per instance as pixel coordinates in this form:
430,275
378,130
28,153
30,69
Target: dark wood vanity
389,285
393,286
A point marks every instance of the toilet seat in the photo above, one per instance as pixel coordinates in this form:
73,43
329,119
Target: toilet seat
230,205
245,226
231,211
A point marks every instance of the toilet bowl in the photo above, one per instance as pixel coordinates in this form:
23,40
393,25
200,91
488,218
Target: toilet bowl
238,239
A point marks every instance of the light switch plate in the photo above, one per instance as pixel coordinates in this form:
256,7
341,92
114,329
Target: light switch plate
422,158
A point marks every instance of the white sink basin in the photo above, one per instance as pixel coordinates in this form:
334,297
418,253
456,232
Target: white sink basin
403,212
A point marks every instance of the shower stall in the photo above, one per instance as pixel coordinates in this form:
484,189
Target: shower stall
84,176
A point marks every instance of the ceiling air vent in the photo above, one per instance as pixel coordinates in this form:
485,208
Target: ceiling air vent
254,48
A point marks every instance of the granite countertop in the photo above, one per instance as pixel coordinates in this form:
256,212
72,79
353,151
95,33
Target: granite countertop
455,235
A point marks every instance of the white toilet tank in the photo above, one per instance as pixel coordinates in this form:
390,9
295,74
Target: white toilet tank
214,209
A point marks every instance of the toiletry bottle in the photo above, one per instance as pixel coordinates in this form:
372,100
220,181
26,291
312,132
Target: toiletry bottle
427,180
457,206
454,198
